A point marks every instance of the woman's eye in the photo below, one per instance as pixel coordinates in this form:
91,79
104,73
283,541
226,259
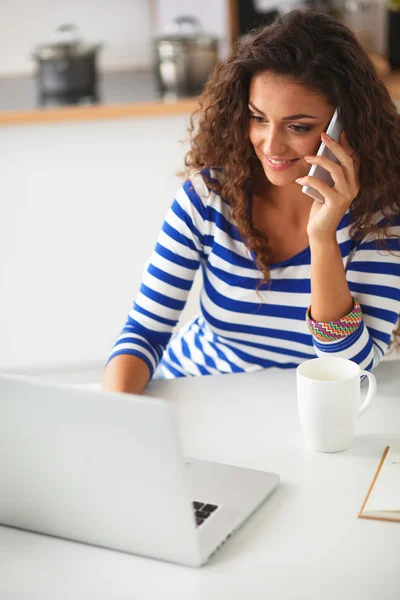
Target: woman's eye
300,128
257,119
294,128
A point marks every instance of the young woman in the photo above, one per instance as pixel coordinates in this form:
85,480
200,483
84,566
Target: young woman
285,278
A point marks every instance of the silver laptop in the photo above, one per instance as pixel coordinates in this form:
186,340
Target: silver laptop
107,469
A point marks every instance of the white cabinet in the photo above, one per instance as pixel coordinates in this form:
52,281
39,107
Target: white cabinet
81,207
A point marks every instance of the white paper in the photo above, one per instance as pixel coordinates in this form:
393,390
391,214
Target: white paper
385,495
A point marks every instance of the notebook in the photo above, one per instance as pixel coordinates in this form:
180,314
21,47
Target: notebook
383,497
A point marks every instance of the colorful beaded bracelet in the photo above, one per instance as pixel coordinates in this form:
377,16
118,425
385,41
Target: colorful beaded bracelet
335,330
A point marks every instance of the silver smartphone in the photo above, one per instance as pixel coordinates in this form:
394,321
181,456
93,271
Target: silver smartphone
334,130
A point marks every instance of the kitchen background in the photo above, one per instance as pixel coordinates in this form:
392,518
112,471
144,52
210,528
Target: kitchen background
125,26
82,200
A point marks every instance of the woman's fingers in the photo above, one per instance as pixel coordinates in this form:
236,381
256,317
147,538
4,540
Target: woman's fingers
353,155
344,142
346,174
334,169
323,188
343,155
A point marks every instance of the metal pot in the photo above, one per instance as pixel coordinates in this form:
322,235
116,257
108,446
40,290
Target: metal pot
185,58
67,67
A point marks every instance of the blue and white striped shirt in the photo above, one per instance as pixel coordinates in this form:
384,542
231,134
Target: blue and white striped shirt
240,329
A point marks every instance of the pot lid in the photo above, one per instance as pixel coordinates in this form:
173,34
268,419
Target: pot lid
186,29
67,43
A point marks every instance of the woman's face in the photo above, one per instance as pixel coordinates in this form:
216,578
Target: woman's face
285,124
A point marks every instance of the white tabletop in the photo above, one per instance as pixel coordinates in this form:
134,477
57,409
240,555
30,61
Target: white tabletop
305,542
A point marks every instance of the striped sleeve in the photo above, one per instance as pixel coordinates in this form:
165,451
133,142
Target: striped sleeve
168,278
373,276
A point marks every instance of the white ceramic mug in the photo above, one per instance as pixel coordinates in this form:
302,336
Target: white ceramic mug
328,394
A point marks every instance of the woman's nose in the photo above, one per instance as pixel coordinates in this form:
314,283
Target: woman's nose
273,144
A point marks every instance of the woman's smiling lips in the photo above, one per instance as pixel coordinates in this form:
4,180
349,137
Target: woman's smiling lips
279,165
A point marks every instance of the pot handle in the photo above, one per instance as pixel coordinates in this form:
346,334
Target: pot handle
67,33
185,24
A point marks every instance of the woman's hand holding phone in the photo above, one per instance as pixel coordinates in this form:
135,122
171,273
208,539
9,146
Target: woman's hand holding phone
325,216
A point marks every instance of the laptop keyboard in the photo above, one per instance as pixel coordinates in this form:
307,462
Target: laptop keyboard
202,511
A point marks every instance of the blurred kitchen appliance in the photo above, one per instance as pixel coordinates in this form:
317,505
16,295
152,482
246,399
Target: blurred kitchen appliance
248,14
393,31
185,57
322,6
67,68
361,16
245,15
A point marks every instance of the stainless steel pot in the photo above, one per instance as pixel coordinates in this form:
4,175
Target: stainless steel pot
185,58
67,67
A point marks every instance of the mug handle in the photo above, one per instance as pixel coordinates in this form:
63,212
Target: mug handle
371,392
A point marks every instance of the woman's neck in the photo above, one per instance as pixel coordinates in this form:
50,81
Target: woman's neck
289,201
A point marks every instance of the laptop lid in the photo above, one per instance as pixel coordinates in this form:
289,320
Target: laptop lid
96,467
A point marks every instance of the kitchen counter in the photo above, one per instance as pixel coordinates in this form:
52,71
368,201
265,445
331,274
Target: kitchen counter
121,94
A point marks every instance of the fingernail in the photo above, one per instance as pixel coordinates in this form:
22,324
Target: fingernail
309,158
325,136
299,180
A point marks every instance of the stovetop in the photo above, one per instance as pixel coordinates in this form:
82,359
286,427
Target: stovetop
120,87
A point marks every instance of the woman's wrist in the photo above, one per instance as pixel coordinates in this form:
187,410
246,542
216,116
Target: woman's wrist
330,295
337,329
323,242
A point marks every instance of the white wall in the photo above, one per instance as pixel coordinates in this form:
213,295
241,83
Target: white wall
81,207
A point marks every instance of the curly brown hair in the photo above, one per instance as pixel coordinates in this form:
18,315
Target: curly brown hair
320,53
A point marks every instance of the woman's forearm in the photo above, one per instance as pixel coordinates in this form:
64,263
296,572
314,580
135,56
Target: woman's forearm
126,373
330,295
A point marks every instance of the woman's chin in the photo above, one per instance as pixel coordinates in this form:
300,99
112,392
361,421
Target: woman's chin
280,179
